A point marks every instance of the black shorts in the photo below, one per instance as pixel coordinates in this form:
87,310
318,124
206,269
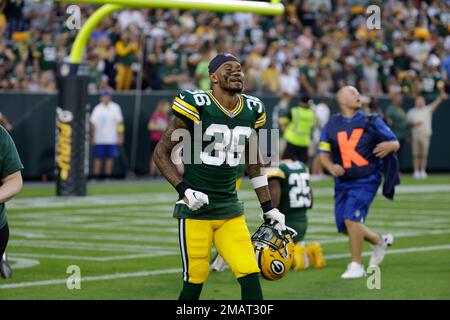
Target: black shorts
296,153
4,237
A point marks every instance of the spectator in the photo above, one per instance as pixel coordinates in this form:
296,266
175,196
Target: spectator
270,78
372,107
13,11
396,119
157,123
18,77
419,49
45,54
130,17
7,59
308,76
33,84
371,83
47,81
431,78
289,81
280,110
299,124
324,81
2,23
322,115
38,14
125,50
445,69
414,35
420,118
107,67
201,71
350,74
107,133
172,75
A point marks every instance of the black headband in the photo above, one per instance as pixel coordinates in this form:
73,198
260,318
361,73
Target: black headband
220,59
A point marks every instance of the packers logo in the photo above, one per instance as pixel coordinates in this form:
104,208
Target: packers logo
277,267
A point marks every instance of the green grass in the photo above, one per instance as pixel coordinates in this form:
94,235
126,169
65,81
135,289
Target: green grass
118,226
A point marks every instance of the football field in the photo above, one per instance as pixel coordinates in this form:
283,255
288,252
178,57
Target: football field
125,243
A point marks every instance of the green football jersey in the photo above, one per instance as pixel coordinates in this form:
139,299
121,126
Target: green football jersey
9,164
215,148
296,195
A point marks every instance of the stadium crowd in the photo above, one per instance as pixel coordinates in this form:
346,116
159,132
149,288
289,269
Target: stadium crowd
315,48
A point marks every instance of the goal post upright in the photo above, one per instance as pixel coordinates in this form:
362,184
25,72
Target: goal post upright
72,123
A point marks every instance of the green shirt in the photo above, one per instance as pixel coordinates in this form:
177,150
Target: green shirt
168,71
9,164
296,195
216,144
46,53
202,69
311,75
399,123
430,83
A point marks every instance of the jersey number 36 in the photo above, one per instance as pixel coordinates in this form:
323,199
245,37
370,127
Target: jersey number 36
229,150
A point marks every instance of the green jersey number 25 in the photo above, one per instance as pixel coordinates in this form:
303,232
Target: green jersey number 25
299,194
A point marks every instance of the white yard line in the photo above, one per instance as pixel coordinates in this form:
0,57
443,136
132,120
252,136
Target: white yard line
82,246
99,259
94,278
178,270
165,197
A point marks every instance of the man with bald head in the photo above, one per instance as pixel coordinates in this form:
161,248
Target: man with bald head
352,146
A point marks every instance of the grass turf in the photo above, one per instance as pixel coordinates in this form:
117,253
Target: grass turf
125,242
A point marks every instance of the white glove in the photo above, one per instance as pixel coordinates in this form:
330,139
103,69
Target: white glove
275,217
196,199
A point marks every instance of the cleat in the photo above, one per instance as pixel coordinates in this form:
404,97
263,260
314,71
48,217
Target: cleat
354,271
301,260
315,253
379,250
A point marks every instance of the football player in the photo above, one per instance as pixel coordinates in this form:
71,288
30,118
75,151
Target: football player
11,183
352,146
291,194
220,124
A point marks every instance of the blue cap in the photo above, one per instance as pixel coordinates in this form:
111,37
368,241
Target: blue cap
105,93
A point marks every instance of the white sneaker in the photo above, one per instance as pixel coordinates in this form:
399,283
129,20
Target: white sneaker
354,271
218,264
417,175
423,174
380,249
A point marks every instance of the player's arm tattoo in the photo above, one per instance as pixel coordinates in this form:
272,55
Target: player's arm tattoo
254,170
275,191
163,151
